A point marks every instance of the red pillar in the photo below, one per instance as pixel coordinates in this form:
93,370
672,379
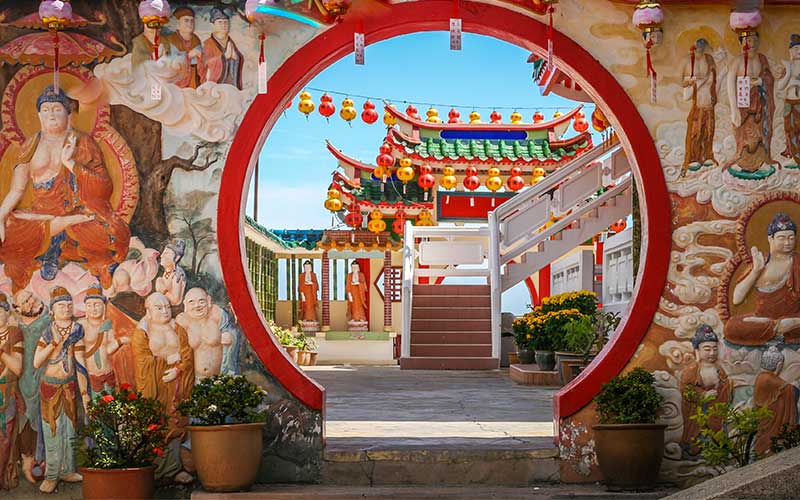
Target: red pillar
544,282
326,292
598,260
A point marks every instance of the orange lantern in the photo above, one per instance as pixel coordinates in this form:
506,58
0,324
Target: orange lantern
619,226
538,117
495,117
454,116
412,111
369,115
515,181
426,179
399,222
326,106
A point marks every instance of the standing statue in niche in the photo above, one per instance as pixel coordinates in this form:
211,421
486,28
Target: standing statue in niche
356,289
71,218
222,62
775,280
777,395
707,377
752,125
11,402
700,87
308,288
789,85
186,44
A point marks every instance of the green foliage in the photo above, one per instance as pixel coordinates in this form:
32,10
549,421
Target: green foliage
582,300
224,399
788,437
304,343
590,333
732,443
629,399
283,335
543,331
125,430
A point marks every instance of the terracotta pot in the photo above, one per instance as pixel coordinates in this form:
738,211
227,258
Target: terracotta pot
227,457
101,484
303,357
546,360
312,358
525,356
629,455
513,358
292,350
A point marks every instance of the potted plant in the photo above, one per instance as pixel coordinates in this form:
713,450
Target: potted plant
585,337
522,338
306,350
116,449
628,441
226,423
286,339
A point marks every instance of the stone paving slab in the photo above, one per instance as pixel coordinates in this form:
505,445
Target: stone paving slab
314,492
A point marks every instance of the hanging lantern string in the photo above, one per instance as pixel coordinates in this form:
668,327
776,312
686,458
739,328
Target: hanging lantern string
438,104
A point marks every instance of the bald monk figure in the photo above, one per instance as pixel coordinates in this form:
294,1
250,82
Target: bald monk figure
203,321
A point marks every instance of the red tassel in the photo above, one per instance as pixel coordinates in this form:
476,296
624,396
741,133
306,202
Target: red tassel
55,61
651,72
262,66
155,45
261,58
746,50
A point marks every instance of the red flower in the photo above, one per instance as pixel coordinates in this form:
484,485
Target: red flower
152,427
107,398
158,452
132,396
125,387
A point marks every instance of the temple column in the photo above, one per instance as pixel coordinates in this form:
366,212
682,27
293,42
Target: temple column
326,292
388,279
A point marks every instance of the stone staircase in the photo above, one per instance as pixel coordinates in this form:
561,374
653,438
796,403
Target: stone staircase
451,328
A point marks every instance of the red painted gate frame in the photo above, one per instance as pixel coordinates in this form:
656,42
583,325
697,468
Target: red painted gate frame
433,15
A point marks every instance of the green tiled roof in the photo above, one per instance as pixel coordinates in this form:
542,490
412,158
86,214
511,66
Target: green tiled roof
483,150
287,238
392,193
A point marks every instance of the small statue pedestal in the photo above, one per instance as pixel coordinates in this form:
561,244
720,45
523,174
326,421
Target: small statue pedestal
357,326
309,326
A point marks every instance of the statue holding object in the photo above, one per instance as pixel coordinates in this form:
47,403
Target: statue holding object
356,289
308,288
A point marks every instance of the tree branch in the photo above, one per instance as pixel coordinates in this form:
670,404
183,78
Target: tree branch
188,164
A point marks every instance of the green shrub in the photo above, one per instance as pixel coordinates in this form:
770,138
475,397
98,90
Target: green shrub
543,331
125,430
582,300
733,443
589,334
629,399
224,399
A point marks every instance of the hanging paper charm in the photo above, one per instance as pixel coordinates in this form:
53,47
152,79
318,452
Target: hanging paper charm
455,28
551,9
358,43
745,24
649,18
471,182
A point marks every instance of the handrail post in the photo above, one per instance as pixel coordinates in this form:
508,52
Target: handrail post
494,282
407,289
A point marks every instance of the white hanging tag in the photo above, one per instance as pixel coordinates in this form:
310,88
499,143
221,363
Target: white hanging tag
549,54
155,91
262,77
455,34
653,89
743,91
358,42
471,201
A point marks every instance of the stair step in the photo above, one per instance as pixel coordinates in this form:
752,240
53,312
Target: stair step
450,350
433,312
451,290
451,324
440,363
450,338
452,301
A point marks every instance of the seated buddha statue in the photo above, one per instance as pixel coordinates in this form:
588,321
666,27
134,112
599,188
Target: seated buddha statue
775,282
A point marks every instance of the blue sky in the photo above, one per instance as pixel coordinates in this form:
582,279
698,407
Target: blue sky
295,166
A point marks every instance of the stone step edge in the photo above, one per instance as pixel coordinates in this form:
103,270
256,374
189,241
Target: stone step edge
459,455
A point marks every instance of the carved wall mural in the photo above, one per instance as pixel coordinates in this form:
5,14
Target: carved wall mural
108,197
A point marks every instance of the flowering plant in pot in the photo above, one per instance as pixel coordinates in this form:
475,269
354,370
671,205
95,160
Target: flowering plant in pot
628,441
227,416
285,338
117,448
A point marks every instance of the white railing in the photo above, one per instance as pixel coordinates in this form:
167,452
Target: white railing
445,248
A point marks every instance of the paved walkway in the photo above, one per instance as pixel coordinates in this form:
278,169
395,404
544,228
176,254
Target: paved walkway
386,406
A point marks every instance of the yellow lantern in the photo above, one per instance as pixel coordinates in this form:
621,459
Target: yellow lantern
333,204
348,111
558,114
433,115
493,181
448,180
475,117
424,218
334,194
538,174
376,223
406,172
306,104
516,118
389,119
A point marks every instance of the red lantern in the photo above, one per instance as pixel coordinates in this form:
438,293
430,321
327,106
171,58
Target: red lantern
471,182
515,181
369,115
384,160
412,111
398,226
538,117
581,125
326,106
354,219
426,181
580,114
454,116
386,148
619,226
495,117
